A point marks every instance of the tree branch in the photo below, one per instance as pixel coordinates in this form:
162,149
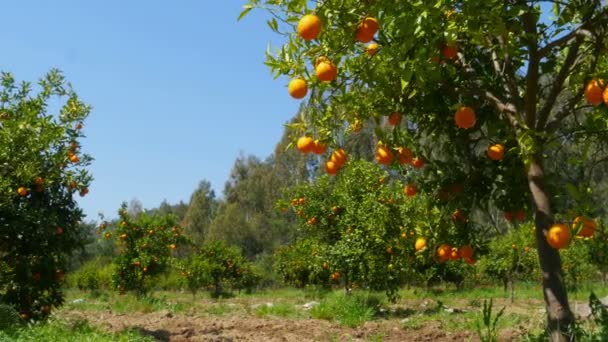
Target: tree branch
532,75
558,84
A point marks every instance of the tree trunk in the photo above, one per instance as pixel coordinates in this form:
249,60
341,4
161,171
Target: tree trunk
559,315
511,290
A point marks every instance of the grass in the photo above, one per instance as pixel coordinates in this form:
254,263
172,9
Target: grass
61,331
350,310
281,310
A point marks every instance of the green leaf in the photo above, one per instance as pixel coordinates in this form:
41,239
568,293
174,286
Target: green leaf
246,10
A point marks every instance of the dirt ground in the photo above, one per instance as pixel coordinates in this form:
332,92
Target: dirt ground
165,326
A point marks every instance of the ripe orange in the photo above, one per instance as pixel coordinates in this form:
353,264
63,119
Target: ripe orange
78,126
39,181
394,119
335,276
389,250
312,221
74,158
172,246
367,29
588,226
305,144
526,249
466,252
410,190
404,155
107,235
496,151
384,155
319,147
59,230
22,191
123,236
326,71
559,236
594,92
465,117
450,51
513,246
443,252
420,244
72,185
372,49
331,167
508,216
309,27
454,254
297,88
418,162
339,157
605,96
84,191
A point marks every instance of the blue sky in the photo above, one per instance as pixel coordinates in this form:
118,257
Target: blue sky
179,88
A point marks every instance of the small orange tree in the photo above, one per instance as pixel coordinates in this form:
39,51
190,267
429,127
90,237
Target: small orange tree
42,167
145,245
364,229
485,91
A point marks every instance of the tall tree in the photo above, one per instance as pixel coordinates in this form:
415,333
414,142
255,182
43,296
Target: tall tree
482,89
201,211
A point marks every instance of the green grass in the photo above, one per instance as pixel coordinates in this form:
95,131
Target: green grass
282,310
350,310
60,331
172,302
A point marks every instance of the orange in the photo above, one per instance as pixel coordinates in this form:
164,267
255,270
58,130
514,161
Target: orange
466,252
172,246
404,155
39,181
469,261
59,230
420,244
331,167
450,51
465,117
22,191
297,88
559,236
305,144
418,163
605,96
325,265
367,29
309,27
454,254
410,190
123,236
588,226
443,252
389,250
458,215
513,246
72,185
319,147
508,216
594,93
520,215
372,49
384,155
496,151
394,119
84,191
312,220
335,276
339,157
74,158
78,126
326,71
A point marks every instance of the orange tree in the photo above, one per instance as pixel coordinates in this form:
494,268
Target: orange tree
483,91
41,170
145,246
366,229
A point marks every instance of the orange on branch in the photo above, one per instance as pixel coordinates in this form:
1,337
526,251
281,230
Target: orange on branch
305,144
594,92
465,117
420,244
588,226
443,252
559,236
394,119
297,88
326,71
331,167
371,49
22,191
410,190
339,157
367,29
450,51
496,152
466,252
384,155
309,27
319,147
418,163
404,155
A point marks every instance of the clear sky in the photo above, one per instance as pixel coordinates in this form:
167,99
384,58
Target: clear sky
179,88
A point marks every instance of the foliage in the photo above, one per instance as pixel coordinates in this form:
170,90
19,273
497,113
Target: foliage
8,317
511,256
41,168
93,276
350,310
217,264
145,248
487,325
